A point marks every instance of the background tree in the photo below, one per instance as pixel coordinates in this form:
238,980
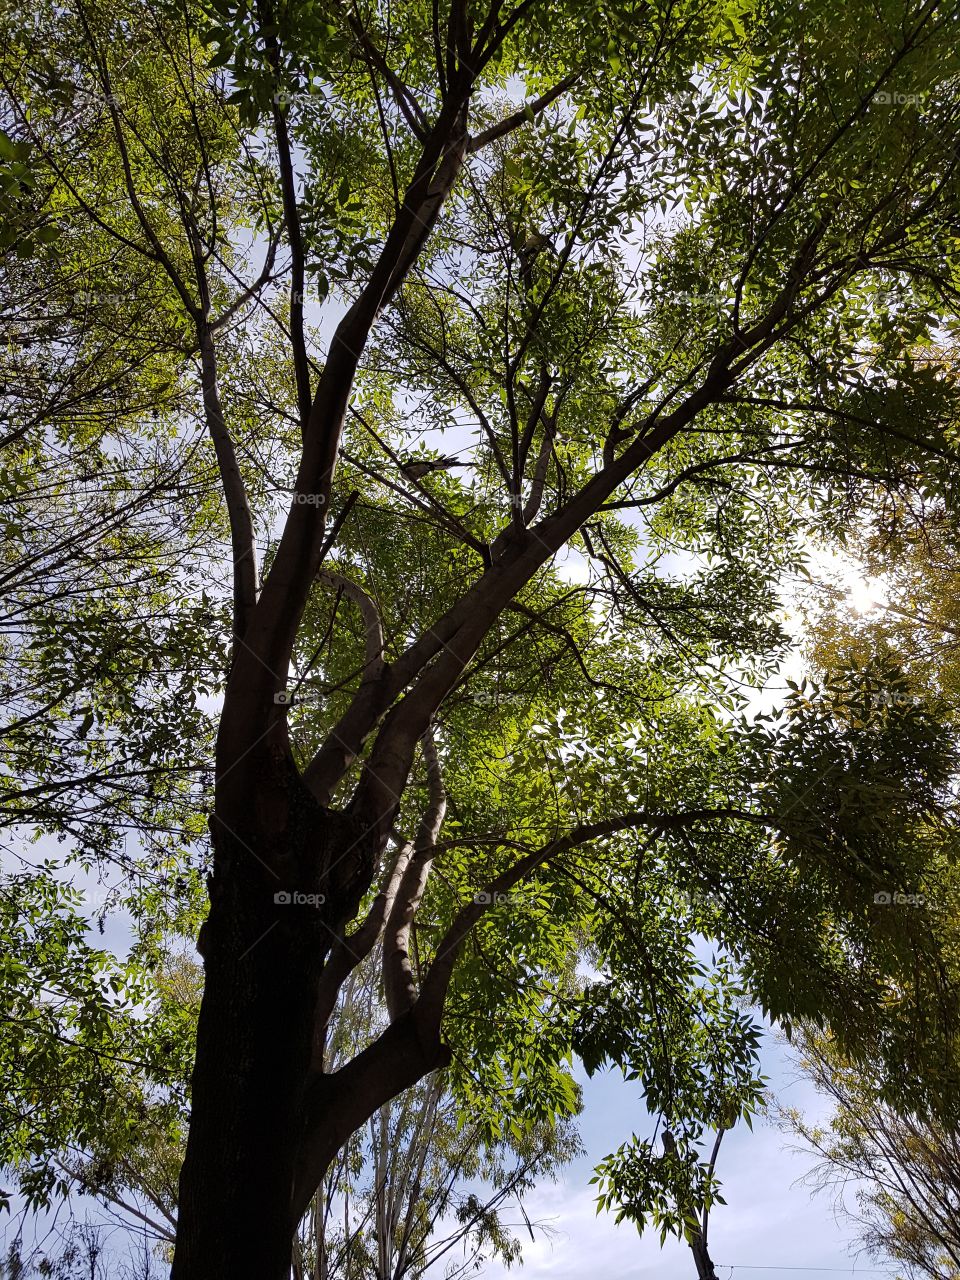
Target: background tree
908,551
890,1165
423,1182
892,1174
105,506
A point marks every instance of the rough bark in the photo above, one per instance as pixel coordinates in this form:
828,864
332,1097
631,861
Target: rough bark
264,952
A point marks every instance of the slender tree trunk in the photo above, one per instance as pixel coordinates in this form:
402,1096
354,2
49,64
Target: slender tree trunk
698,1240
702,1260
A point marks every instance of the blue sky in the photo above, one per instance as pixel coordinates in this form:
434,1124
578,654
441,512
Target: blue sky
769,1221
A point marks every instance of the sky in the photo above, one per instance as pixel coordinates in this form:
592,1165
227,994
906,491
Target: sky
769,1222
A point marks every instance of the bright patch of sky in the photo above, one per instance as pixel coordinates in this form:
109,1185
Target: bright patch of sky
769,1222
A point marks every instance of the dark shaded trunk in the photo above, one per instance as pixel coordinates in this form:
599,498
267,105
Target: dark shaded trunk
253,1047
276,904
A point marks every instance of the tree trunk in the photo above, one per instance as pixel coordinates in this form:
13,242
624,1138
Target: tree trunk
253,1054
276,905
702,1259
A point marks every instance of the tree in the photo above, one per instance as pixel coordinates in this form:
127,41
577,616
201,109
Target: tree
910,549
104,646
94,1059
899,1169
654,306
891,1165
697,1228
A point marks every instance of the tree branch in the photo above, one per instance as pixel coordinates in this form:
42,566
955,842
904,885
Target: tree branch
399,985
434,986
353,950
291,217
234,489
525,115
374,642
250,715
410,108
